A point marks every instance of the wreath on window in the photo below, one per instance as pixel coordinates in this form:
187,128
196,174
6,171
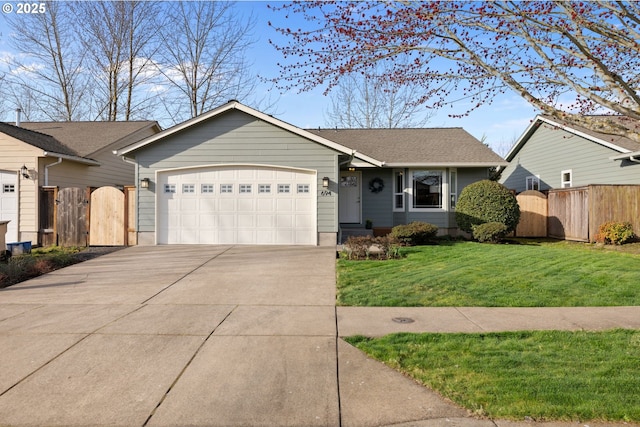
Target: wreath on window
376,185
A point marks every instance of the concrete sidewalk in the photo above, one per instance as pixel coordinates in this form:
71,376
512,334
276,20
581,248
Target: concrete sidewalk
214,336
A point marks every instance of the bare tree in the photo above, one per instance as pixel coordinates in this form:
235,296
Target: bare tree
49,64
572,60
371,101
121,39
204,57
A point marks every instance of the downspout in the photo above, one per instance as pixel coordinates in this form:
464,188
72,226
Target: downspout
46,169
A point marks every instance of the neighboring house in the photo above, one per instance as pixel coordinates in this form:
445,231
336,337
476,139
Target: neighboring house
236,175
62,154
552,155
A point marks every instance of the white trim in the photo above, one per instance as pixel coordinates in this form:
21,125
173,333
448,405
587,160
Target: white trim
452,191
444,189
533,178
562,180
394,193
441,165
536,123
234,105
83,160
313,189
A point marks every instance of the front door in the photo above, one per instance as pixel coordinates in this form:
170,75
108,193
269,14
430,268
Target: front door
349,197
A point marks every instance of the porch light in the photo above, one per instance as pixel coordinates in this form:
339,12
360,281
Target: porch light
325,182
144,183
24,171
352,169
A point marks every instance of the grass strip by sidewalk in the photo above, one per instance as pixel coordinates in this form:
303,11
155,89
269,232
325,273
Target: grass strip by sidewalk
469,274
544,375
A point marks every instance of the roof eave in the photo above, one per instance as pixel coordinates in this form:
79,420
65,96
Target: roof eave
448,164
83,160
257,114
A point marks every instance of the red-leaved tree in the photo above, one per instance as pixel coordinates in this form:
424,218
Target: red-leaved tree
576,61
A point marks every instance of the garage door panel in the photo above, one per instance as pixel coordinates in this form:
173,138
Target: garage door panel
237,205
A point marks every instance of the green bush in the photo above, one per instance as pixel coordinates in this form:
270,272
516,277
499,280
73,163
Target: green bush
489,232
415,233
487,201
615,233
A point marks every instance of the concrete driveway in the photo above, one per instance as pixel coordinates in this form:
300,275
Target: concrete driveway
195,335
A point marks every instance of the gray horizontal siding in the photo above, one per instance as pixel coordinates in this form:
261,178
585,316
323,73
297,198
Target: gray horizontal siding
237,138
548,152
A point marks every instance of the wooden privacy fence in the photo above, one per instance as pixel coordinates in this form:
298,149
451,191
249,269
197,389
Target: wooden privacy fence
533,214
84,216
577,213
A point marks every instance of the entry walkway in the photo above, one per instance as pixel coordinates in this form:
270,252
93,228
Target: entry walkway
205,336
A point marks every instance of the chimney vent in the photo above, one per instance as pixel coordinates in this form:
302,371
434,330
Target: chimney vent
18,118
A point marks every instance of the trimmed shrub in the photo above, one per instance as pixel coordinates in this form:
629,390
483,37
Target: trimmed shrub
487,201
615,233
489,232
415,233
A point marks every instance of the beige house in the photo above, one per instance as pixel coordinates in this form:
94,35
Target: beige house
59,154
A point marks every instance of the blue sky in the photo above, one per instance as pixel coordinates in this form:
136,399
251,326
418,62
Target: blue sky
500,123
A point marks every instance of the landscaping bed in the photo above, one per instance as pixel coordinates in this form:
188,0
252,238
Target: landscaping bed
44,260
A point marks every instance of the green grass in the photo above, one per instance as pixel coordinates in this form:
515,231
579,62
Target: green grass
527,274
550,375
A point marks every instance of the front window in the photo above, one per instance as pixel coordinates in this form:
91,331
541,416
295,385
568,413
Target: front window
427,189
533,183
398,191
453,187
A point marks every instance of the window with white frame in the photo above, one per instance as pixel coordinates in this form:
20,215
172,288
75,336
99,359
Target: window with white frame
303,188
453,187
566,178
398,191
245,188
533,183
426,186
188,188
169,188
226,188
9,188
264,188
206,188
284,188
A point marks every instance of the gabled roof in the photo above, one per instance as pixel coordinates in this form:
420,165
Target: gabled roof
235,105
617,143
87,138
37,139
378,147
416,147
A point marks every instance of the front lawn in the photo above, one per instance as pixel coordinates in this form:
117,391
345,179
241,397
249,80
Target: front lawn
467,274
543,375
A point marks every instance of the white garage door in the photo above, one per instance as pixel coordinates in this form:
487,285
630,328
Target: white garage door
9,204
236,205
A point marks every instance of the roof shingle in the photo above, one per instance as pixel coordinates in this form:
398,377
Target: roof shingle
437,146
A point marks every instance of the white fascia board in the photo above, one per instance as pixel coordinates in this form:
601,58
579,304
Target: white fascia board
523,138
257,114
628,155
83,160
584,135
447,165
